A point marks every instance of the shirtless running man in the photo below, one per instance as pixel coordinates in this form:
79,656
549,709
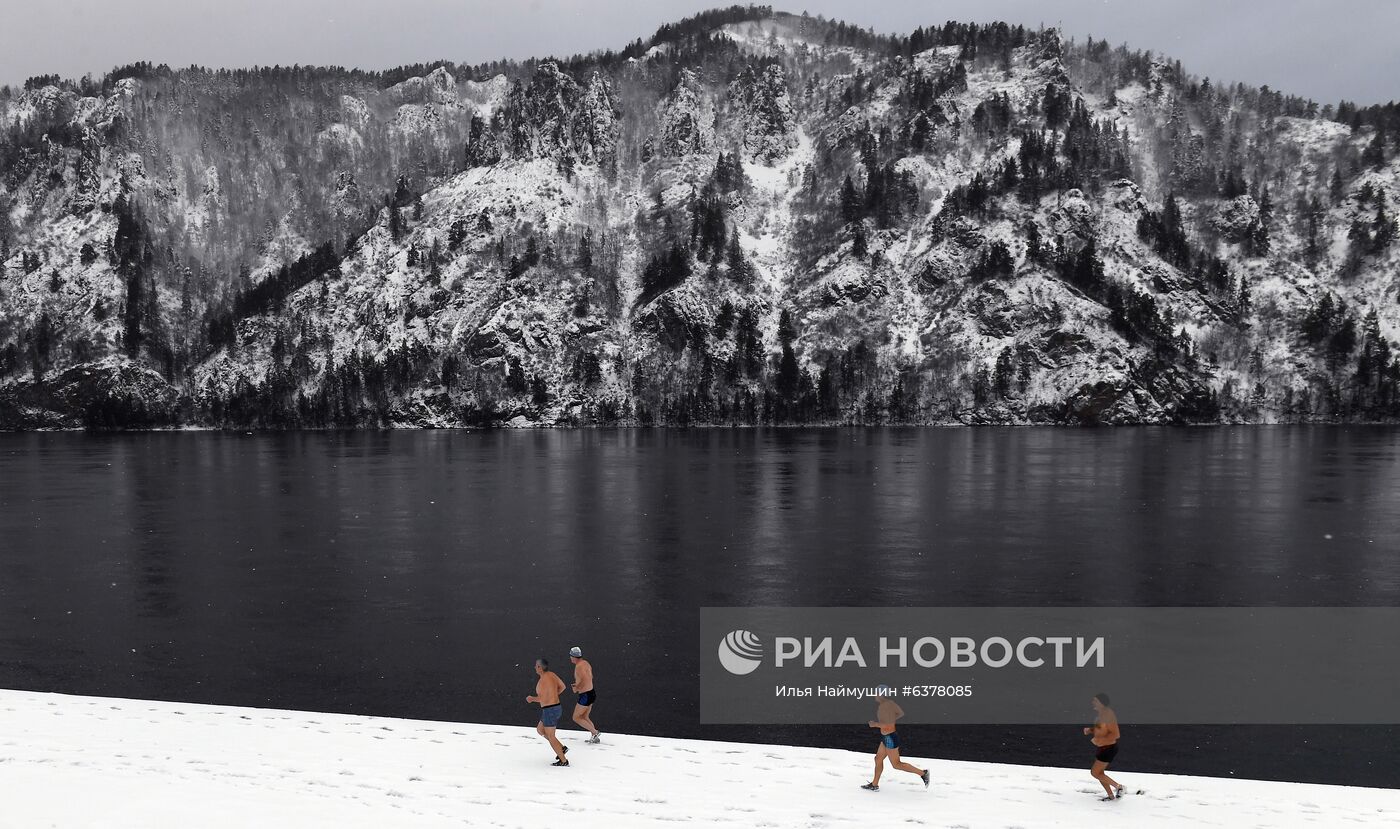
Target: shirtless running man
1104,734
886,712
583,686
547,691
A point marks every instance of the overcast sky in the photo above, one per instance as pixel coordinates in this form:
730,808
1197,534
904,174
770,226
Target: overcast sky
1324,50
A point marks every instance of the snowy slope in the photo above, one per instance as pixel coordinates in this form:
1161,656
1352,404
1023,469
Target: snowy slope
149,764
491,232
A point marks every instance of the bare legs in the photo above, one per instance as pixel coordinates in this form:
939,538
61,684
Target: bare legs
901,765
548,734
585,721
879,765
893,754
1100,773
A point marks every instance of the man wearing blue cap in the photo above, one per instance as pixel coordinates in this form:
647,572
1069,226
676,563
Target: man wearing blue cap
583,686
886,712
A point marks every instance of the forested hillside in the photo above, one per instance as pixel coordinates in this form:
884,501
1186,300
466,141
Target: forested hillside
750,217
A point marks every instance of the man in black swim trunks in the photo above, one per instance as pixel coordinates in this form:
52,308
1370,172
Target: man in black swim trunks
886,712
583,686
1104,735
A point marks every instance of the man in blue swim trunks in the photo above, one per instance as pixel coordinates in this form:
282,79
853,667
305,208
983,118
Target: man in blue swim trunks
547,690
887,711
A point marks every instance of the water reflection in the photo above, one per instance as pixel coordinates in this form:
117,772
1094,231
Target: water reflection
418,574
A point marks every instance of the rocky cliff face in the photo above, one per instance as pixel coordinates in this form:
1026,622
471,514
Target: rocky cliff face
779,219
760,102
553,116
687,119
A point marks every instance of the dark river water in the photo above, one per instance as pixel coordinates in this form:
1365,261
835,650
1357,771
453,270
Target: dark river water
418,574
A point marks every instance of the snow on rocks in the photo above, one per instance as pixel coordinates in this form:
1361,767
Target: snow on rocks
760,97
553,161
687,119
530,191
1234,218
554,117
341,136
354,111
486,96
437,87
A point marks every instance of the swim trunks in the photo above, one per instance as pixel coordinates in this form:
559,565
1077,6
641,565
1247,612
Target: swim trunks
549,715
890,740
587,697
1106,753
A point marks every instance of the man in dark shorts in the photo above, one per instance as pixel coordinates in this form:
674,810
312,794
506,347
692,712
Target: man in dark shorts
1104,735
583,686
547,690
887,711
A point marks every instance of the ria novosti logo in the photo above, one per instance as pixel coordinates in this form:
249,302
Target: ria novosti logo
740,652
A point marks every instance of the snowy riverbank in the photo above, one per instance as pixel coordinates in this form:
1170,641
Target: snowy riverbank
84,761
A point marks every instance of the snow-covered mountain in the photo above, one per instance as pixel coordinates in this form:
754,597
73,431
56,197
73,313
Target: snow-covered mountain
752,217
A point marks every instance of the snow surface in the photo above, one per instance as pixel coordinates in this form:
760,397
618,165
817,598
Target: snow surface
487,96
773,36
87,761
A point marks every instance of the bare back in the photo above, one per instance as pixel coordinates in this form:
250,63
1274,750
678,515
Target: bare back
886,715
583,677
